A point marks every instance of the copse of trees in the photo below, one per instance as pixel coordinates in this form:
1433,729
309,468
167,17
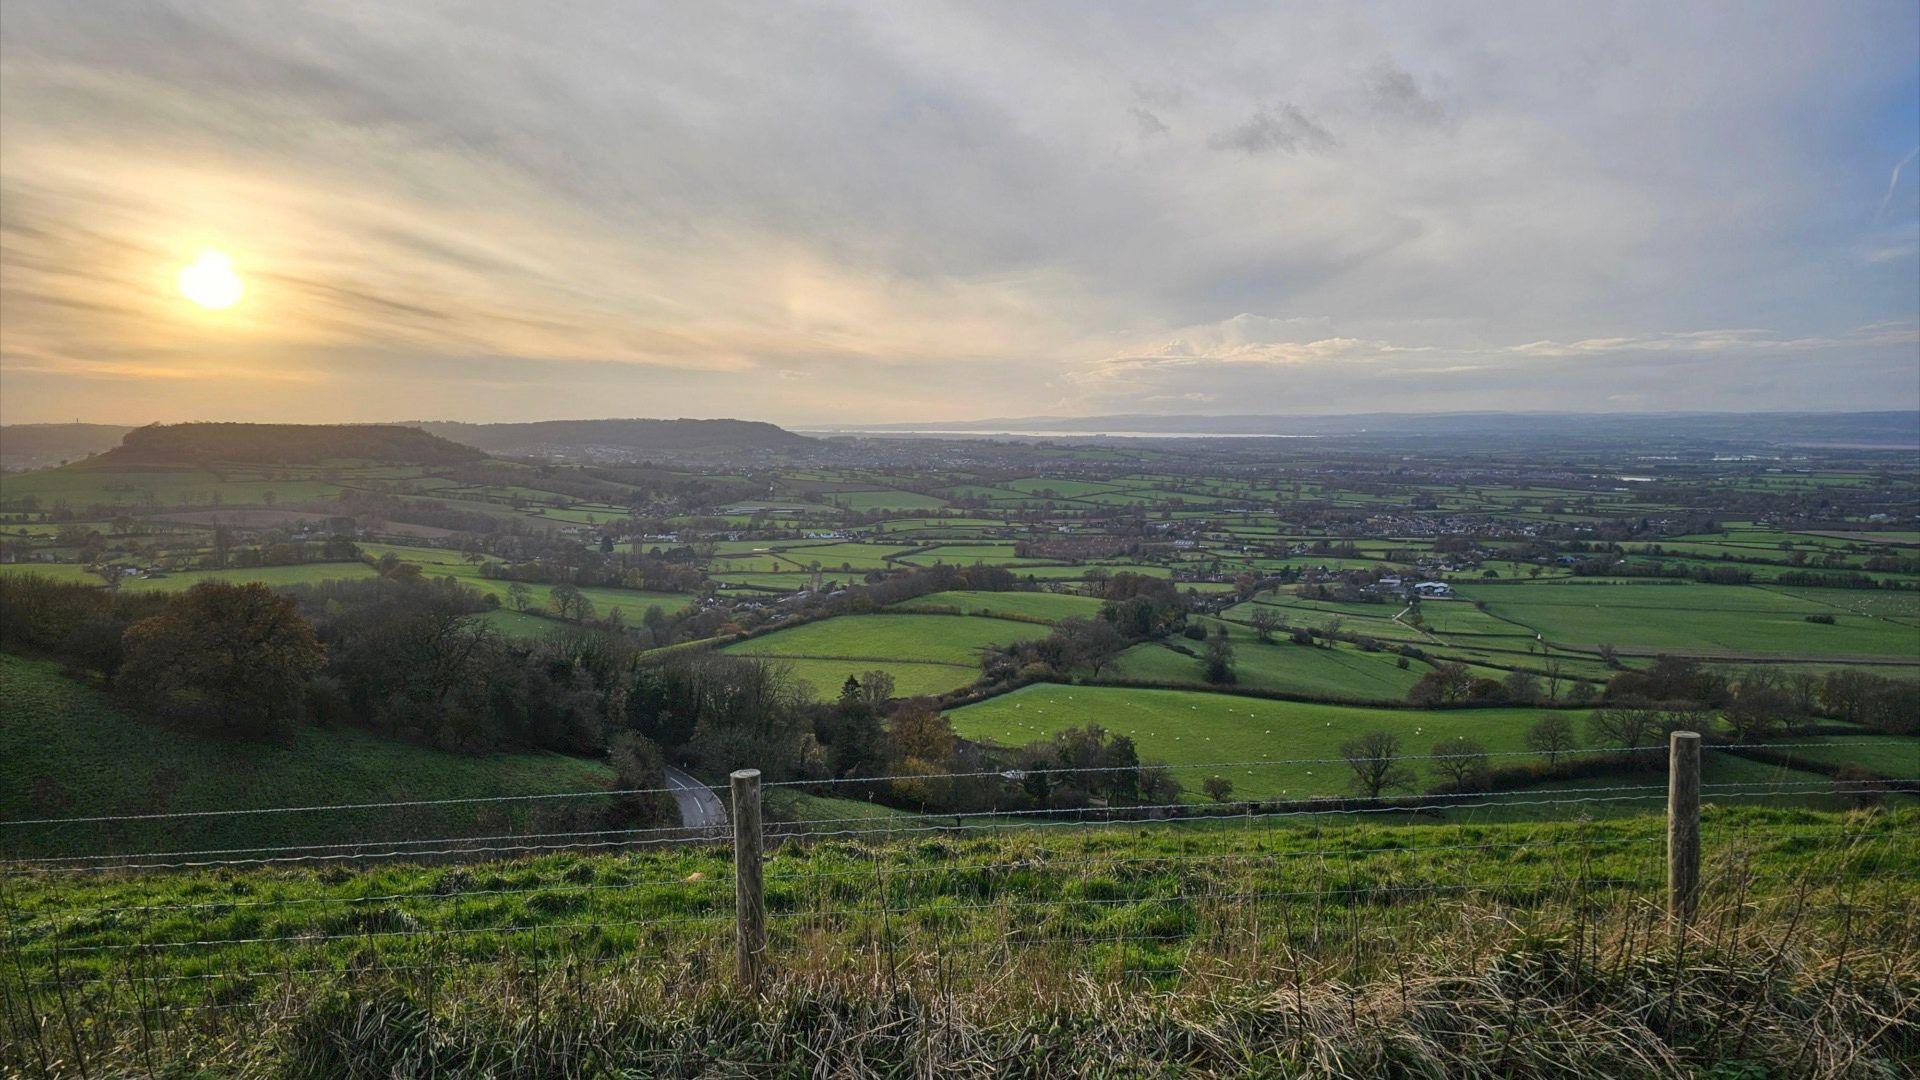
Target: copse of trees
82,625
1081,766
222,658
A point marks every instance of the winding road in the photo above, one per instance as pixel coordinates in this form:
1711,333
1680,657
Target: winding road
700,808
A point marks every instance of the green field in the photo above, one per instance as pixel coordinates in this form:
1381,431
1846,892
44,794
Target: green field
1186,728
1342,673
276,576
1700,619
1033,605
926,654
72,573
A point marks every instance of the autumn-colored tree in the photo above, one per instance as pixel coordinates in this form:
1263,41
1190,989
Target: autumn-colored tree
920,745
224,658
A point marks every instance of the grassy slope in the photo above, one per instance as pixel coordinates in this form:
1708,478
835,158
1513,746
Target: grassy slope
1398,921
66,751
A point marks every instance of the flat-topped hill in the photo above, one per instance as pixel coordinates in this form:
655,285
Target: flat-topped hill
284,444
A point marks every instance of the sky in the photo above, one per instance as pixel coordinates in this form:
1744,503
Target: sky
867,212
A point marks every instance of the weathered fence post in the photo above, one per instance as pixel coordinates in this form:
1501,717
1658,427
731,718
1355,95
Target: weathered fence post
749,889
1683,824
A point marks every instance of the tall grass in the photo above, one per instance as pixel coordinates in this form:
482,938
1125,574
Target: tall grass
1506,950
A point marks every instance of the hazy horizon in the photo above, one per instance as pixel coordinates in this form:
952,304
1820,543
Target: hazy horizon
874,214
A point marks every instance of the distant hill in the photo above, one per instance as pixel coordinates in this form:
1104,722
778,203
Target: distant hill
284,444
34,446
1867,429
591,437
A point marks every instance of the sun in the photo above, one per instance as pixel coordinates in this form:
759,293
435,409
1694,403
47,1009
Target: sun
210,281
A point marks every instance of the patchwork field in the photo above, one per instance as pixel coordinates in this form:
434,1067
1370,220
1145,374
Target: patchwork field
922,648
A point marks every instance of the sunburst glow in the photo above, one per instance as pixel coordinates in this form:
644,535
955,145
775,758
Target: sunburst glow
211,282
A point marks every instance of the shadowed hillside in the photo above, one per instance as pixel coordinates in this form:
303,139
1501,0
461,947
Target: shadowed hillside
284,444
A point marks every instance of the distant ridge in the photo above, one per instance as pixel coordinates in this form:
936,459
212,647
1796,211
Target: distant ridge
1889,428
283,444
27,446
578,436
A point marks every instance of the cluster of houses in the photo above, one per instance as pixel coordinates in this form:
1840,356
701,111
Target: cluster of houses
1421,590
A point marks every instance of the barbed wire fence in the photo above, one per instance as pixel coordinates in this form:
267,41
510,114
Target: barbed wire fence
123,931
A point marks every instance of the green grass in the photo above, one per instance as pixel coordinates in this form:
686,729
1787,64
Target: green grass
1701,619
886,500
1036,605
67,751
276,576
946,639
1025,941
1342,673
926,654
73,573
1187,728
910,679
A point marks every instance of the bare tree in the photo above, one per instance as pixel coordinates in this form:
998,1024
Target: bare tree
1552,736
1461,762
1264,623
1373,757
1639,730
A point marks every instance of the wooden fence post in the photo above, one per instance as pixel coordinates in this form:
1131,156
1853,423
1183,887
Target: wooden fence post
749,888
1683,824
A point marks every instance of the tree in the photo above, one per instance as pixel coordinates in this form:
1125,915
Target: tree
638,766
1552,736
1093,642
224,658
1264,623
1759,703
920,745
1218,788
570,603
1219,659
519,595
1637,729
655,622
876,687
1448,682
1523,686
1373,757
1461,762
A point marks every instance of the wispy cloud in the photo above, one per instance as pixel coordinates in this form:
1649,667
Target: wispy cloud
872,210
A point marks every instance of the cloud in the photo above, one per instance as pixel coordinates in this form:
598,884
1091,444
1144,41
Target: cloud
1148,124
1283,128
1394,94
1298,365
873,211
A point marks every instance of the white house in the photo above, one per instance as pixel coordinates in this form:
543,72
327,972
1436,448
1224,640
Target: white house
1436,590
